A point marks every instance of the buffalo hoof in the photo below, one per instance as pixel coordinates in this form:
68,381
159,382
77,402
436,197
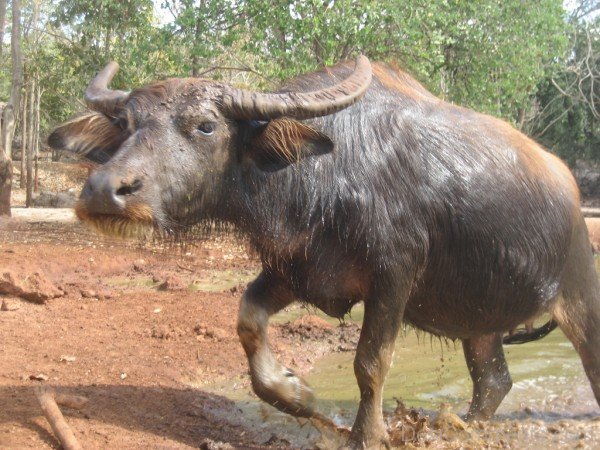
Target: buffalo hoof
361,444
369,435
288,393
477,416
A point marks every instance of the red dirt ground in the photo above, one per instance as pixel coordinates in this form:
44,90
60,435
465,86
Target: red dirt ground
133,330
139,331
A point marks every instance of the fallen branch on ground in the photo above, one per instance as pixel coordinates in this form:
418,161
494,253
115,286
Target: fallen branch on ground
48,400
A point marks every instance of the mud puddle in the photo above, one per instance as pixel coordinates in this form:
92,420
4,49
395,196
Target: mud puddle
551,402
427,371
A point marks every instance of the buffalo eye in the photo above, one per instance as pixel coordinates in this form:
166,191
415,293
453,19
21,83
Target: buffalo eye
207,128
121,122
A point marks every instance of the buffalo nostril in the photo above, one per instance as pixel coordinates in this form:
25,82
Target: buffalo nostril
99,194
129,188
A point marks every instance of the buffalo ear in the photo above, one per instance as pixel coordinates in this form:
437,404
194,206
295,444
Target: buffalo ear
91,135
278,143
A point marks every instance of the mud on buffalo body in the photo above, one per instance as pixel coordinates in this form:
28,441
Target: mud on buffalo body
353,183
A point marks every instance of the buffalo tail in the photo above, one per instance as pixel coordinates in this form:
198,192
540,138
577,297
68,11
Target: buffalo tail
523,336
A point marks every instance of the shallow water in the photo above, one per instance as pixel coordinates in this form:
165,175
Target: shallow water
550,387
427,371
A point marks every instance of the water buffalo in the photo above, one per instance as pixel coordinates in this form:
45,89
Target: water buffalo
353,183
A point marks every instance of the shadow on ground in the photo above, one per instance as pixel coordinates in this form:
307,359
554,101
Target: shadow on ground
185,416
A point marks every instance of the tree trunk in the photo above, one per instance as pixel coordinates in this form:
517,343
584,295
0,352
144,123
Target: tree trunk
197,38
107,44
17,57
8,122
23,139
2,25
5,185
318,51
36,147
30,126
521,116
6,131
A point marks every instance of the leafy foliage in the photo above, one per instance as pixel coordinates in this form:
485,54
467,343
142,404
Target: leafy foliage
504,58
568,118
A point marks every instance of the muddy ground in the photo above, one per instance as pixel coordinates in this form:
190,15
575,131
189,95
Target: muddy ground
144,333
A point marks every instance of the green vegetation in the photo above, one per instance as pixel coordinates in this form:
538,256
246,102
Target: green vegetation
532,63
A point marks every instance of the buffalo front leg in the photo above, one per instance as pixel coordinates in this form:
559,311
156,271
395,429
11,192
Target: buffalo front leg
272,382
489,372
374,352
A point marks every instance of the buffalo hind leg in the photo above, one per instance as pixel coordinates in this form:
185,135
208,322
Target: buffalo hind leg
584,332
489,372
577,310
374,352
272,382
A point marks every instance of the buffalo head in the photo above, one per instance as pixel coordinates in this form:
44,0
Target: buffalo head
170,154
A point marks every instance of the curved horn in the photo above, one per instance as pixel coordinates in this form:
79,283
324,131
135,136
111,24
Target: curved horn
242,104
98,96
